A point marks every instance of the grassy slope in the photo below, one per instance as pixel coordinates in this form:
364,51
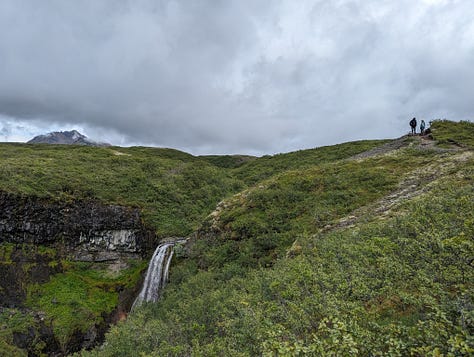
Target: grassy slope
396,281
449,133
174,190
257,170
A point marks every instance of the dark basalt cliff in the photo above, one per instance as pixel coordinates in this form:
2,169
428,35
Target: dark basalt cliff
40,233
87,230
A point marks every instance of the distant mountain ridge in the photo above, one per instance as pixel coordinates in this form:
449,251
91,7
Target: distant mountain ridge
72,137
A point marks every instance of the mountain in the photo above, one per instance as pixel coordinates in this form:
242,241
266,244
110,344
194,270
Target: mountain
363,248
72,137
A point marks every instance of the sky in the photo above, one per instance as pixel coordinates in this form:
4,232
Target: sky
235,76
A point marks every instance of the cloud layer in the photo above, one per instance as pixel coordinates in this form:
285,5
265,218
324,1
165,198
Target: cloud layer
243,76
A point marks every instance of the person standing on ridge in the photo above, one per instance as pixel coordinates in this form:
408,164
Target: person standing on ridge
413,126
422,127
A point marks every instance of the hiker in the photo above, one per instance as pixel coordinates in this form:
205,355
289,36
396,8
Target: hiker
422,127
413,126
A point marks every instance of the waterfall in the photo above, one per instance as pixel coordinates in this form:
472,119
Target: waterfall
156,275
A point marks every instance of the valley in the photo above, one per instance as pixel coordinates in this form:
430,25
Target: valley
362,248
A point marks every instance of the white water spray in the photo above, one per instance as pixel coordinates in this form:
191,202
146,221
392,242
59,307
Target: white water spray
156,275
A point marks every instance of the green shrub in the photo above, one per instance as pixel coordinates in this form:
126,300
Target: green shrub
450,133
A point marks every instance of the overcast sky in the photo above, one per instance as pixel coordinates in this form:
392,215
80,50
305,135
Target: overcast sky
233,76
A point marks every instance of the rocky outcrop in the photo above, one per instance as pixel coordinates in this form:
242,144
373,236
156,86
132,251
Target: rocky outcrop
88,230
38,234
78,230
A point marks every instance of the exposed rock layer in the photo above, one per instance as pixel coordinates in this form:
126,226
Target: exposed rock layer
78,225
84,230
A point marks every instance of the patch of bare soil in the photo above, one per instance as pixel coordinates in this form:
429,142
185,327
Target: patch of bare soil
393,145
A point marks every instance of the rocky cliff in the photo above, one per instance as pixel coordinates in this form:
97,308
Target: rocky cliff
39,240
87,230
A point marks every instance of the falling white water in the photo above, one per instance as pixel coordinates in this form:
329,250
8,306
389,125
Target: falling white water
156,275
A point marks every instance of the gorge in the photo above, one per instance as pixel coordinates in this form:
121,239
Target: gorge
362,248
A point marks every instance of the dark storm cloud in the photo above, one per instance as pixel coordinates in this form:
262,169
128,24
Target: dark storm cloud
235,76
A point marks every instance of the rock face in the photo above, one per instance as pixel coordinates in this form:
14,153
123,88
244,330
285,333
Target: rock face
38,234
107,245
72,137
88,230
80,230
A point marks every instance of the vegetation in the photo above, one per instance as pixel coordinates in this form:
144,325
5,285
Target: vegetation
308,253
449,133
227,161
74,298
367,257
12,322
174,190
267,166
260,224
81,296
11,251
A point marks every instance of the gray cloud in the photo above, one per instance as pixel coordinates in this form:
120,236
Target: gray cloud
235,76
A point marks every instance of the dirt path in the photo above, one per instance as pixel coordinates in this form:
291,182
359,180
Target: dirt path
414,141
393,145
416,183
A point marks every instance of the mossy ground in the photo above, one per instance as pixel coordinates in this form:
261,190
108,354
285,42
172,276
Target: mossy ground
81,296
8,251
75,297
14,321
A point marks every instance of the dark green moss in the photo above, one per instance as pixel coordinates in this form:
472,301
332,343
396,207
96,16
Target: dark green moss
14,321
82,296
6,250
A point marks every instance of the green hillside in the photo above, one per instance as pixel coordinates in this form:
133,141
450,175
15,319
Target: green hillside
448,133
370,255
363,248
175,190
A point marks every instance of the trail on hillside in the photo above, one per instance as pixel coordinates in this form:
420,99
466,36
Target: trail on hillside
414,184
393,145
414,141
